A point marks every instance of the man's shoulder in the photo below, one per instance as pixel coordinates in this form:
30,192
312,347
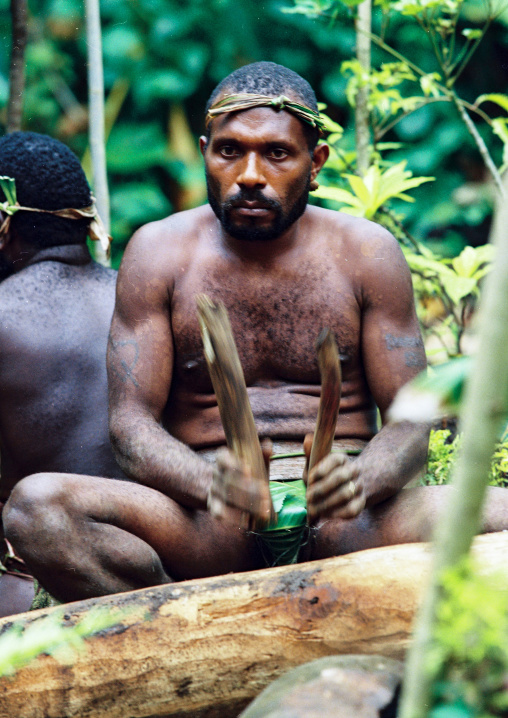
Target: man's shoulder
172,233
355,236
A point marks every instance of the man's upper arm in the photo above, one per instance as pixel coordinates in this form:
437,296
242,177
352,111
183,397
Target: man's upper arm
140,347
392,347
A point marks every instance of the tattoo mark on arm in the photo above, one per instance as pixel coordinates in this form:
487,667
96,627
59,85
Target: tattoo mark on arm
414,359
127,369
404,342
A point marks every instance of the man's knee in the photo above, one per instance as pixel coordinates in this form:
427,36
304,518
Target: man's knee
34,506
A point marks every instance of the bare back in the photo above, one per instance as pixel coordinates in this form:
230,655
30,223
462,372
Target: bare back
55,319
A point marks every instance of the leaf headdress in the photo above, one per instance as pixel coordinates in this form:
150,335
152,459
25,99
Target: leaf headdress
96,230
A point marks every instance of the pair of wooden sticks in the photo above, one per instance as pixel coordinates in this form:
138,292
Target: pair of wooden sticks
229,385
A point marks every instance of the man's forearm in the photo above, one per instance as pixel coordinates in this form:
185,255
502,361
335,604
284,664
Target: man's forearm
151,456
392,458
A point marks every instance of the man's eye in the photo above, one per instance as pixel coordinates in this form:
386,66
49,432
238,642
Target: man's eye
228,151
278,154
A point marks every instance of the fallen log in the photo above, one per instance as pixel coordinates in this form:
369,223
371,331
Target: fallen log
208,647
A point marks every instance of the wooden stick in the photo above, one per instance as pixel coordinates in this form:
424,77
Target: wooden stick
229,385
331,379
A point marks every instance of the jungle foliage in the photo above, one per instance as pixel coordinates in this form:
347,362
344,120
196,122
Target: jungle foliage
163,58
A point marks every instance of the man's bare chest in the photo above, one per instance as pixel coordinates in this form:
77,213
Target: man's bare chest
275,318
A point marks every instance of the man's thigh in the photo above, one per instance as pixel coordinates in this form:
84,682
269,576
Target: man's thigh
407,517
190,543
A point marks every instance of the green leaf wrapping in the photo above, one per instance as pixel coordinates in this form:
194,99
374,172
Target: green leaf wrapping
281,540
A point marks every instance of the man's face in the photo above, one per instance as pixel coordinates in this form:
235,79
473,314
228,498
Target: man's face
258,168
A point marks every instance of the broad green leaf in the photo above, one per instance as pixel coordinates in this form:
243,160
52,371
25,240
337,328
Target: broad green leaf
338,195
359,188
134,148
469,261
428,84
139,202
501,100
123,42
458,287
160,85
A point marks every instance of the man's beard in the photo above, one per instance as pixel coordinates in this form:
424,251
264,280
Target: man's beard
252,233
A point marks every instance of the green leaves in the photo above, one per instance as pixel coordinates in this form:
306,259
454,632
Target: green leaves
289,503
437,392
49,635
282,539
458,277
372,191
496,97
8,186
469,655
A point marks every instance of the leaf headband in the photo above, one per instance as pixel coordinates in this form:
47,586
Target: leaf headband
96,230
237,103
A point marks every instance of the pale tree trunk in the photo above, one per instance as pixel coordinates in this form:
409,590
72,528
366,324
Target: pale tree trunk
482,418
19,15
96,131
363,46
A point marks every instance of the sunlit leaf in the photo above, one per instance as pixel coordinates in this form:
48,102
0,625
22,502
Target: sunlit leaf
437,392
496,97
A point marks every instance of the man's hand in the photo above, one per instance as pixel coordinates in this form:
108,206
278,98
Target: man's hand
334,487
235,496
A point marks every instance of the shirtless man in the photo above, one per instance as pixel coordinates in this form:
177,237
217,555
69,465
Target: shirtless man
284,270
55,311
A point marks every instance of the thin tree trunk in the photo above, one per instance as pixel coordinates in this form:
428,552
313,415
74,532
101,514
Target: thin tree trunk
19,15
482,419
363,47
482,147
96,131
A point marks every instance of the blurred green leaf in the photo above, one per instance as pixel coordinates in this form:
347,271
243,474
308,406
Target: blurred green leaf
163,85
139,202
134,148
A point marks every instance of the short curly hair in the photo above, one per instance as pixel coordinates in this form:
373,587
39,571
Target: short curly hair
268,78
48,175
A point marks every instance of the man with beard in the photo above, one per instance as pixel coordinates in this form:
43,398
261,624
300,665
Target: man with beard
284,270
55,311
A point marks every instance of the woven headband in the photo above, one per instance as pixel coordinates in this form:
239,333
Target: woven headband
237,103
96,230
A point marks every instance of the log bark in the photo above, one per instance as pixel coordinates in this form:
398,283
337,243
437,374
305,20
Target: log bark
208,647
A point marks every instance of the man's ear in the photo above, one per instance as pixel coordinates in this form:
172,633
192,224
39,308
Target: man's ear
319,157
203,144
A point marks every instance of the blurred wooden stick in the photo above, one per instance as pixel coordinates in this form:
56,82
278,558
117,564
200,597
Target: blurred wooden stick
331,380
229,386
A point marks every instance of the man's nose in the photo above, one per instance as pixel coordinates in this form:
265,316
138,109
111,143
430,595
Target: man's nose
251,173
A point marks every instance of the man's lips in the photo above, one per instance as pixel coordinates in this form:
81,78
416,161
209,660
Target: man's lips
251,209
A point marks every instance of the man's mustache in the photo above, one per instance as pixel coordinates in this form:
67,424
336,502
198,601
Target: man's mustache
254,196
